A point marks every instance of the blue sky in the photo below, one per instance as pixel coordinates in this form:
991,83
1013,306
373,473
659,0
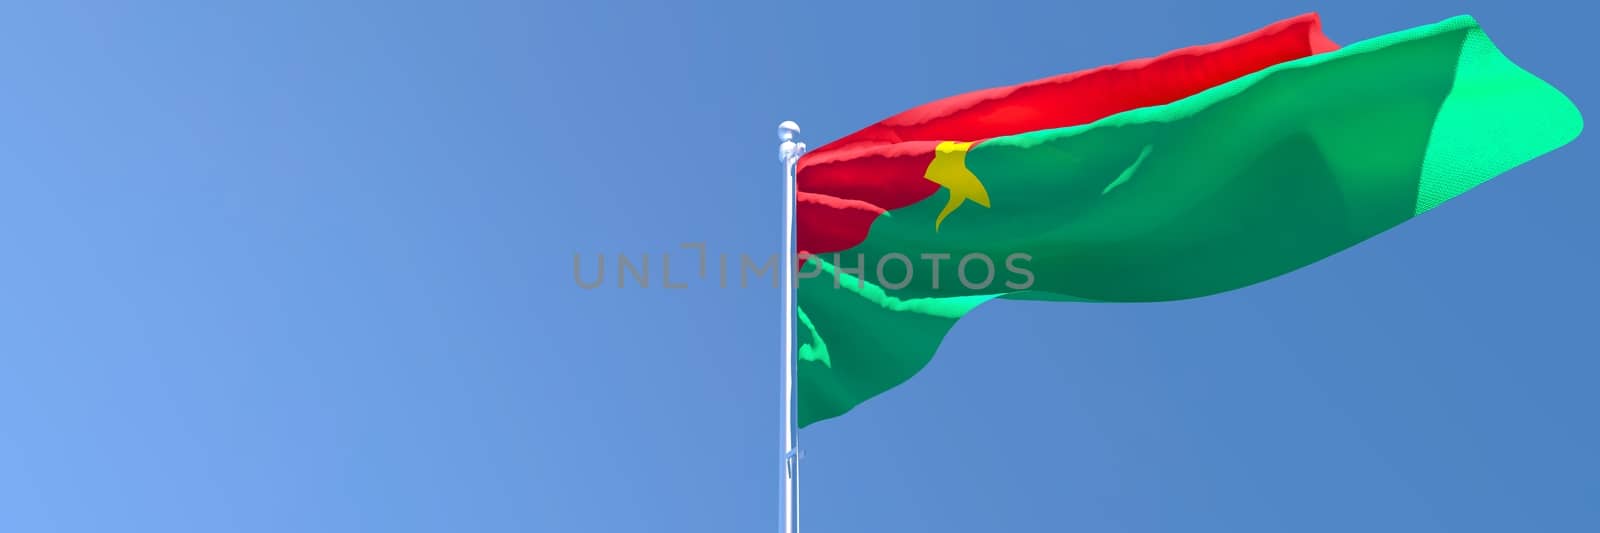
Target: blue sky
303,266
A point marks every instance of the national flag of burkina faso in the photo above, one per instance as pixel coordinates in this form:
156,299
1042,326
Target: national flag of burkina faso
1196,172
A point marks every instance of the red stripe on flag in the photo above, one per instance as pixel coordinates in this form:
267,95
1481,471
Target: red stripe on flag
883,164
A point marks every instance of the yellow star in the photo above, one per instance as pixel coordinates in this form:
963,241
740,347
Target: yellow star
949,169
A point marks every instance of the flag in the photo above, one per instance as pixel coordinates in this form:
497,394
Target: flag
1196,172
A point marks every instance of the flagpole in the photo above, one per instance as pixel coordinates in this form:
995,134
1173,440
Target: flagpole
789,152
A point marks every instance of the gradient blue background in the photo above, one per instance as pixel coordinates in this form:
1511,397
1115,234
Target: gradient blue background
307,266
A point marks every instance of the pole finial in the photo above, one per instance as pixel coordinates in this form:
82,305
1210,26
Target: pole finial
791,148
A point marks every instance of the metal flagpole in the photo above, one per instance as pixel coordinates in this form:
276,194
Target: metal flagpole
789,152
